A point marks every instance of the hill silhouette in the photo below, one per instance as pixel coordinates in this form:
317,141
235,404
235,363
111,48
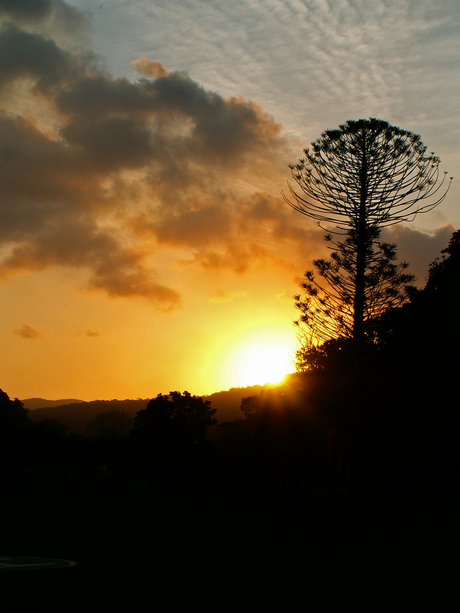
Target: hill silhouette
41,403
75,415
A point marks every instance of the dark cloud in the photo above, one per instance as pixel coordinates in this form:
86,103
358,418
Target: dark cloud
199,123
36,11
27,332
195,227
115,169
39,170
111,143
133,283
279,220
417,248
237,256
96,95
29,54
27,10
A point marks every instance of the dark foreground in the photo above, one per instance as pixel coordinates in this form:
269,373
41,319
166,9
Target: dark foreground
211,550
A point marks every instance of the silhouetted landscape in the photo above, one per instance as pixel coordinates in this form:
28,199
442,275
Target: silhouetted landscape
187,215
334,471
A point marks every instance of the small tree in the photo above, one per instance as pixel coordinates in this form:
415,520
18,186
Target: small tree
174,417
358,179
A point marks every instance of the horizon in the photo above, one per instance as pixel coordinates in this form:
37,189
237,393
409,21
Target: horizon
223,391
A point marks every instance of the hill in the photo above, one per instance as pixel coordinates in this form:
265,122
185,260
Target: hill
75,415
40,403
228,403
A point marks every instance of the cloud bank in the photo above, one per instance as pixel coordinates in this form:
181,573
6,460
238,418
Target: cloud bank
111,170
105,174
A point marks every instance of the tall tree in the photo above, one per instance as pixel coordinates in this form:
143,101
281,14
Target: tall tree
328,310
355,181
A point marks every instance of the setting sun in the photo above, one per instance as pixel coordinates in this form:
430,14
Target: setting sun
264,359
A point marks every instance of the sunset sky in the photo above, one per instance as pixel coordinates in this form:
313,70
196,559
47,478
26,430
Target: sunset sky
145,246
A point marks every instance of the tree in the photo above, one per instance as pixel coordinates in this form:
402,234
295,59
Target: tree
358,179
174,417
433,310
328,312
12,413
444,273
169,436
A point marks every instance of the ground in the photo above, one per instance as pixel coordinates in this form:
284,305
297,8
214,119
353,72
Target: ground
192,547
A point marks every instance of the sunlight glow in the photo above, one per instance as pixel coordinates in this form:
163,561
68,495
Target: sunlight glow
264,359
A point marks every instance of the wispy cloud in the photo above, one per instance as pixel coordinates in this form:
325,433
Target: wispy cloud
314,63
222,297
88,333
27,332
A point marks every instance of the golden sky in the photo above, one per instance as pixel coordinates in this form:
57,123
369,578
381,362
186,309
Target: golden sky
145,246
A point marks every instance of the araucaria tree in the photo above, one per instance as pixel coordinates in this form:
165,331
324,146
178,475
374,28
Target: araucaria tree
355,181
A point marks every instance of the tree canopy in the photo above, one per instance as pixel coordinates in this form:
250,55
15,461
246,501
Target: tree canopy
355,181
12,412
175,416
366,172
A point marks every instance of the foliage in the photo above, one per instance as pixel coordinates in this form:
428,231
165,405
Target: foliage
12,412
370,163
328,310
175,416
360,178
444,273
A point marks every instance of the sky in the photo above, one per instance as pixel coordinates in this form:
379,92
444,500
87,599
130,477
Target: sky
144,243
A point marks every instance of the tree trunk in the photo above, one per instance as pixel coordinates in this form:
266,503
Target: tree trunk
361,248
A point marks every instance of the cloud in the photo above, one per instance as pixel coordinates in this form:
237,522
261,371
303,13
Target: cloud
27,10
150,68
194,226
222,297
113,172
183,117
37,11
112,143
27,332
30,54
89,333
418,248
113,268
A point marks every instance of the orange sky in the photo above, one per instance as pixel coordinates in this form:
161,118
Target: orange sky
145,246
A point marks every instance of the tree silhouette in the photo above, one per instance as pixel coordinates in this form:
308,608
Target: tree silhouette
175,416
444,273
358,179
434,310
12,413
169,437
328,312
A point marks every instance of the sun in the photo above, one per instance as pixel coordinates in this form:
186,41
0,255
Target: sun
260,360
